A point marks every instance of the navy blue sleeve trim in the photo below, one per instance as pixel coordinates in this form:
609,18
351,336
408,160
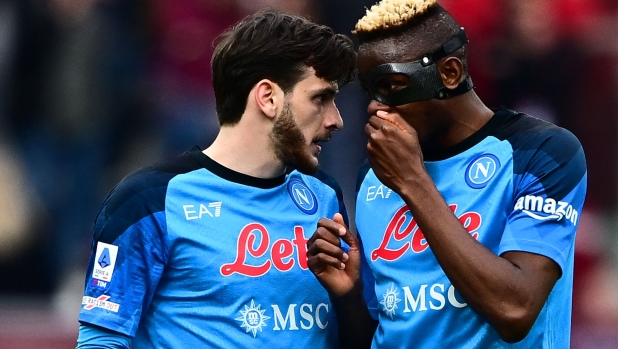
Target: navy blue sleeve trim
138,195
362,173
539,148
331,182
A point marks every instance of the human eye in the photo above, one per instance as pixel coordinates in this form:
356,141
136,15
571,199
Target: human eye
324,97
391,83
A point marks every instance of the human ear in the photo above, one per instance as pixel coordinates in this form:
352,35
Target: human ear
268,97
451,71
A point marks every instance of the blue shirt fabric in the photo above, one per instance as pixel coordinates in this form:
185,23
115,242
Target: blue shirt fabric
518,184
189,254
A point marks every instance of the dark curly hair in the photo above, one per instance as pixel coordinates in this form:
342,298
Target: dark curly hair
279,47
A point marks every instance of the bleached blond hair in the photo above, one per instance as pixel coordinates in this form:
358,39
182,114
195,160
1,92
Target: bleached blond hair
388,14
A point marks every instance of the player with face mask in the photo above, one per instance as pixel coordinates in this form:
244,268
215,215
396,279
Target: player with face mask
466,215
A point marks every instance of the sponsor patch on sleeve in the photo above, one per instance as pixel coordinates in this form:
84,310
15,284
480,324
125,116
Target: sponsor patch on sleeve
100,302
105,261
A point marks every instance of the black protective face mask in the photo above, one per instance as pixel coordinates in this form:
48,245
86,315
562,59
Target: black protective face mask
423,80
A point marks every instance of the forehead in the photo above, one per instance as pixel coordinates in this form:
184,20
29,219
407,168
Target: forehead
310,82
389,50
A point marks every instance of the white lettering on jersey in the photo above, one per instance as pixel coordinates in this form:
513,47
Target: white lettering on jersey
543,209
281,322
284,321
435,301
303,317
318,319
380,191
100,302
191,212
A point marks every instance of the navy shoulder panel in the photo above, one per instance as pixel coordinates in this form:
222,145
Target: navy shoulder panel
332,182
542,149
138,195
362,172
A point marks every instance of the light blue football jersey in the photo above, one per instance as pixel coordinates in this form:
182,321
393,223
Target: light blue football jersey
189,254
518,184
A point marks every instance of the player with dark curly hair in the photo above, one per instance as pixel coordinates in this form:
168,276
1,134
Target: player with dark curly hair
208,250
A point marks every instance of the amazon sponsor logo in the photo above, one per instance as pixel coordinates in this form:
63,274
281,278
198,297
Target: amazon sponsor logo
543,209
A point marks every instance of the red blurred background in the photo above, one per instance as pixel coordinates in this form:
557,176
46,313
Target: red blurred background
92,89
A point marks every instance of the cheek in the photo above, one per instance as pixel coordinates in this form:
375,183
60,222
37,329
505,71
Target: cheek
310,121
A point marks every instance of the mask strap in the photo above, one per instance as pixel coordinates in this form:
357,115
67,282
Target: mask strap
463,87
452,45
448,48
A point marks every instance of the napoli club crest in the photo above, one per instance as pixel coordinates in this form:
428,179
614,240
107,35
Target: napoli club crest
302,196
481,170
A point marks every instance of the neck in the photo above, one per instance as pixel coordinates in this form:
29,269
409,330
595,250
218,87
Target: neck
246,148
470,114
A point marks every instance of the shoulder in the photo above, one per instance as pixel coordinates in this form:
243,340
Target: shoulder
543,151
322,179
141,193
534,138
527,133
362,173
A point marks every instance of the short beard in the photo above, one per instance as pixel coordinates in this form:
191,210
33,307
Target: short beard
289,143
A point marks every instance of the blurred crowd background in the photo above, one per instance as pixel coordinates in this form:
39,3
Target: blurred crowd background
93,89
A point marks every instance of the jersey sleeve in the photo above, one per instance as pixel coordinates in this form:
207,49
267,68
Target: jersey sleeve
91,337
549,189
128,255
332,183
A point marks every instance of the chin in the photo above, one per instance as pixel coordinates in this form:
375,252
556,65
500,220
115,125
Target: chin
309,165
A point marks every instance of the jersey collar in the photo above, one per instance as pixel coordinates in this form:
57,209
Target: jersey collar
233,176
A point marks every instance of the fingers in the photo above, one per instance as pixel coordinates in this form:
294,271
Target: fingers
376,122
322,253
377,125
384,122
374,126
344,233
394,119
336,225
324,247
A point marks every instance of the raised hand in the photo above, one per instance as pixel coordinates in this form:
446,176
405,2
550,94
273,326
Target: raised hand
393,150
337,271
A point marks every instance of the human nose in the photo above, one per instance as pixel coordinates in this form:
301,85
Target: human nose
333,119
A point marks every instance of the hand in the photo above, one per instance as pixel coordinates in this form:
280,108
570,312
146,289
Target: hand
338,272
393,149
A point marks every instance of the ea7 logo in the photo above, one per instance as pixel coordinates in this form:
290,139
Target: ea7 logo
198,211
380,191
543,209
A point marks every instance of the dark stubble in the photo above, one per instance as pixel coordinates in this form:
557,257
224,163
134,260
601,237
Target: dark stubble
289,143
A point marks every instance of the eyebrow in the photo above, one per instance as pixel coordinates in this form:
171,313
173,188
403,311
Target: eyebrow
330,91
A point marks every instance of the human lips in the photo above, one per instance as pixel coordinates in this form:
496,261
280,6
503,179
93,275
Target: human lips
316,142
